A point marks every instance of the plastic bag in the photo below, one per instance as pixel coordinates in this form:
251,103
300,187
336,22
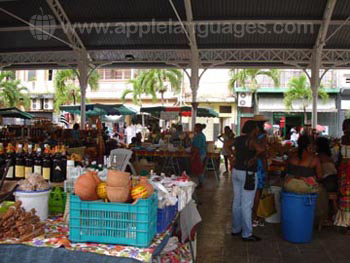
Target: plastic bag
266,206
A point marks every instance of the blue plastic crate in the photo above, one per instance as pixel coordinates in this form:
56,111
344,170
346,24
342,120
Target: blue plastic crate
113,223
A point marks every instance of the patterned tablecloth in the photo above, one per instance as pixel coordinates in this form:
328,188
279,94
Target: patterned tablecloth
57,233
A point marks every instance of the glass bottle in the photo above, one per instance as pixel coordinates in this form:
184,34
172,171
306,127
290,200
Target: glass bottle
29,162
10,157
19,167
56,173
47,164
38,162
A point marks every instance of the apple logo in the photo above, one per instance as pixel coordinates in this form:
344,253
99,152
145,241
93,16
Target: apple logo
41,23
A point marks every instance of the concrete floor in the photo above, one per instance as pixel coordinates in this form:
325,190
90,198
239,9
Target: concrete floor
216,245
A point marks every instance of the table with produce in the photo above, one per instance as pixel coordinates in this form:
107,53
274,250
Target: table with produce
102,211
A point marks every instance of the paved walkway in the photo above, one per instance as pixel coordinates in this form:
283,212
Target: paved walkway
216,245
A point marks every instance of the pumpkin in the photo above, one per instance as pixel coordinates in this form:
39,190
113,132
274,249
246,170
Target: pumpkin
102,190
85,187
139,192
95,176
145,183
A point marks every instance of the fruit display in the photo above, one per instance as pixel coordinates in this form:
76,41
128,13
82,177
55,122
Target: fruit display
86,186
102,190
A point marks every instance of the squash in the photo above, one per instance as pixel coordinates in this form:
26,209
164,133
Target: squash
139,192
85,187
118,194
102,190
117,178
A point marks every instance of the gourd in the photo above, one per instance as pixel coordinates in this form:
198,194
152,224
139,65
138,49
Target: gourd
139,192
85,187
102,190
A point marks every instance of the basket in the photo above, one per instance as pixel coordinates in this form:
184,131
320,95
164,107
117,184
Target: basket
113,223
165,216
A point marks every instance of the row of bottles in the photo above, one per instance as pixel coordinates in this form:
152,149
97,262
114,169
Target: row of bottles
26,160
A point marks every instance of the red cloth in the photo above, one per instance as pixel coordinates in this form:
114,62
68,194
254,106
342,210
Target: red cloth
196,162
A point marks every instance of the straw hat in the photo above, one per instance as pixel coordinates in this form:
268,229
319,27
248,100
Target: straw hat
260,117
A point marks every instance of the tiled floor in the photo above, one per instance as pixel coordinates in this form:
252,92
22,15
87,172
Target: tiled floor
216,245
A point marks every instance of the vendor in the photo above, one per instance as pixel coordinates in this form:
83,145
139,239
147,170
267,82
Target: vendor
199,143
303,171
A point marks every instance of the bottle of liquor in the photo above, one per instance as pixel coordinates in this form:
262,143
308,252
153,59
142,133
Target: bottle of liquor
47,163
2,158
19,167
10,157
64,162
29,162
38,162
57,173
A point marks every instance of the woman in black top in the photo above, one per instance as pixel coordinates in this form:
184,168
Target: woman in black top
244,181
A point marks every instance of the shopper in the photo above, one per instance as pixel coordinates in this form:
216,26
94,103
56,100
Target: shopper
329,171
261,168
244,181
227,138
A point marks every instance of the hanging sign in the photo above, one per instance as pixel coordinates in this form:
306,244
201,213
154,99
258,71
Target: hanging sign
168,116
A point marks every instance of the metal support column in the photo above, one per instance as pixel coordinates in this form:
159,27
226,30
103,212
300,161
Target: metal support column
315,82
83,81
194,87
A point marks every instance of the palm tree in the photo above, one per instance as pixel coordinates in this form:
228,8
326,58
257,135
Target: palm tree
66,91
247,78
138,89
154,81
12,93
299,90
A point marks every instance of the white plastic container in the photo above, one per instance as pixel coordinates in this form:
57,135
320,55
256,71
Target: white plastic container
276,217
39,200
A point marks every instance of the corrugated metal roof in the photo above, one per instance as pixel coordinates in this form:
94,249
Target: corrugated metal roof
160,10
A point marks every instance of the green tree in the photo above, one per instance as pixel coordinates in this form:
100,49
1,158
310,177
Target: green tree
299,90
12,93
66,90
248,79
154,81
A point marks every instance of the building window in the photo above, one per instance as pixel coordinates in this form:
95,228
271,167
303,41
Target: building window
225,109
50,75
31,75
115,74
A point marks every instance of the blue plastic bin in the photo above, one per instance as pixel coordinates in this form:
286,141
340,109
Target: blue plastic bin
113,223
165,216
298,212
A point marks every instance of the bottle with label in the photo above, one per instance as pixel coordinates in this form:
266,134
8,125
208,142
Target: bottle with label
64,161
10,157
38,162
29,162
19,167
47,164
2,157
57,173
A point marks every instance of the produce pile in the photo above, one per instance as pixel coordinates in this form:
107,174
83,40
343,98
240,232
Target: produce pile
34,182
119,187
19,224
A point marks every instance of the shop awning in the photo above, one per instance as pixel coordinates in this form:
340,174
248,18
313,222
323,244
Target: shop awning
275,104
15,113
100,109
185,111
